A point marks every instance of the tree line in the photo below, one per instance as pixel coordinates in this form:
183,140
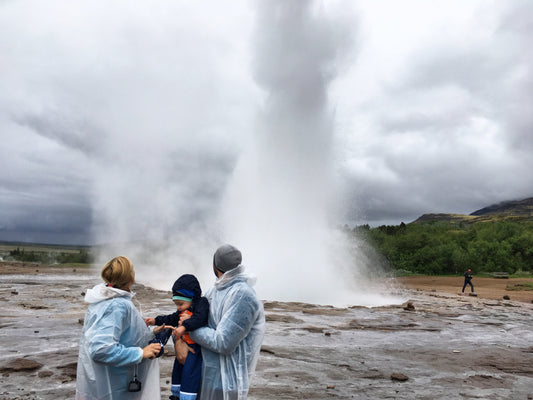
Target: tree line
51,257
444,248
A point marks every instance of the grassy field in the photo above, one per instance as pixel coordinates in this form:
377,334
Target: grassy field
6,247
45,253
520,286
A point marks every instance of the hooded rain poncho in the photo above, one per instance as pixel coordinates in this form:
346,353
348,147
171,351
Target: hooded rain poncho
112,339
232,340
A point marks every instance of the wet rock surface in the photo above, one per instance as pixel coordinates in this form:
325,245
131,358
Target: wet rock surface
433,346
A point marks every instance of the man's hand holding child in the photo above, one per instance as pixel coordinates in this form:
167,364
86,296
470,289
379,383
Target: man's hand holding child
178,332
184,316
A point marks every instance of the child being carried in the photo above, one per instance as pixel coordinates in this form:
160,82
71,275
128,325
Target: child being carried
193,310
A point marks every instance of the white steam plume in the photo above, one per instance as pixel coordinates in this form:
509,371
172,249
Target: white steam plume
281,205
178,182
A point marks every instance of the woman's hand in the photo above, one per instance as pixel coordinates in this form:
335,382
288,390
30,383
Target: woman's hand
182,350
152,350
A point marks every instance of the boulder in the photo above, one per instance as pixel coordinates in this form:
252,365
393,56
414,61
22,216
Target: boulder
20,364
69,369
399,377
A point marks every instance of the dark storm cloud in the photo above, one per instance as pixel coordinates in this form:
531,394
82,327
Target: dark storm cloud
49,208
48,223
43,189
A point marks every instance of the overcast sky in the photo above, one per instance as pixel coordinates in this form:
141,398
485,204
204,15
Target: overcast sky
127,119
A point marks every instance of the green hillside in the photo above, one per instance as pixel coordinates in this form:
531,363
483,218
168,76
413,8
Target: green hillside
494,239
516,210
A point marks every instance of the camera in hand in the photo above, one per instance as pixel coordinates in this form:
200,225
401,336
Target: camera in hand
134,385
162,338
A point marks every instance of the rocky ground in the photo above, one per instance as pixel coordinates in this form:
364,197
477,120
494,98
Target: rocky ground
436,345
486,288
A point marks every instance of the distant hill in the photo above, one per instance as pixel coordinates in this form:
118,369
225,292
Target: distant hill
517,208
507,210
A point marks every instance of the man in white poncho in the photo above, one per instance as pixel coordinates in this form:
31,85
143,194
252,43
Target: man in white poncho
232,340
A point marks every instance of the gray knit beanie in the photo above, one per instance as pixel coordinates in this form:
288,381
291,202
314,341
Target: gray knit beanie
227,257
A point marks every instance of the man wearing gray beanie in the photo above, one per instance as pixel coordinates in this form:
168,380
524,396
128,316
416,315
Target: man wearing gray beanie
232,339
226,258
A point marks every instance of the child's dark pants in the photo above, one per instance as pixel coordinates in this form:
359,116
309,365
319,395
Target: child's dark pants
189,375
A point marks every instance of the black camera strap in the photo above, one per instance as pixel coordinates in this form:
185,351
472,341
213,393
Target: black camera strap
135,384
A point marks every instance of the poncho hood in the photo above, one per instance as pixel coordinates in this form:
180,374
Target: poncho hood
234,275
102,292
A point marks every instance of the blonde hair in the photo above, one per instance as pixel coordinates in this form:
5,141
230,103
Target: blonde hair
118,272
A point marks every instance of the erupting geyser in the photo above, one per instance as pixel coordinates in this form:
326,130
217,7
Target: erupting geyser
274,196
281,206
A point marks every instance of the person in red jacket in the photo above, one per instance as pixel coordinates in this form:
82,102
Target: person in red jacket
468,280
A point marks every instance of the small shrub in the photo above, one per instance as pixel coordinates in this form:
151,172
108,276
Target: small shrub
520,286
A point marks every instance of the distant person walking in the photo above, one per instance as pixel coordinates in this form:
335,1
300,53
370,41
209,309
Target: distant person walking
468,280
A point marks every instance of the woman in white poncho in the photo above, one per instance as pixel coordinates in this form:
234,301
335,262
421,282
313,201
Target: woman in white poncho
232,340
115,359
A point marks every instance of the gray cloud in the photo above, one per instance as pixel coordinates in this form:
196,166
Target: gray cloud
74,135
125,121
130,113
450,131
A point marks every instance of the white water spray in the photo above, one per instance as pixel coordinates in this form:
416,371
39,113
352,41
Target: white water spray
278,203
281,206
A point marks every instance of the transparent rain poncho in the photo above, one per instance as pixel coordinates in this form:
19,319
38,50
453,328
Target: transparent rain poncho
111,343
232,340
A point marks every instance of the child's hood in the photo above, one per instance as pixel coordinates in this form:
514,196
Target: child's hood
102,292
189,283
